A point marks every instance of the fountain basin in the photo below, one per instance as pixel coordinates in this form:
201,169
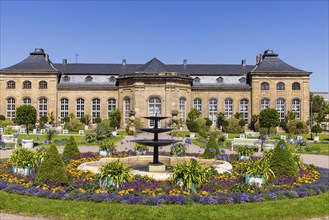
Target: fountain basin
152,143
94,166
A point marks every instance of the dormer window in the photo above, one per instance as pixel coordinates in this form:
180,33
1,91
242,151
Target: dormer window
112,79
242,80
66,78
196,80
89,79
219,80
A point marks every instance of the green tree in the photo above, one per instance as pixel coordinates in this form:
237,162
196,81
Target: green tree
115,117
316,129
318,104
52,168
26,114
71,149
211,148
221,121
268,118
193,114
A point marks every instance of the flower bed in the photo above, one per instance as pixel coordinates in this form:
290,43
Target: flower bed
225,188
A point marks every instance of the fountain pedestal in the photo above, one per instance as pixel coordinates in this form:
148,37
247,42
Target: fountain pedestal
158,167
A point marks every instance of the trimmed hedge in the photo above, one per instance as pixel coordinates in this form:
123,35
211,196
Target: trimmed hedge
71,149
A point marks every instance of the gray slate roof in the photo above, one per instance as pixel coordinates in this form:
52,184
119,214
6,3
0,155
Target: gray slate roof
154,66
35,62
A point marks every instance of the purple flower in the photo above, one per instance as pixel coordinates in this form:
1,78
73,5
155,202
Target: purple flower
38,138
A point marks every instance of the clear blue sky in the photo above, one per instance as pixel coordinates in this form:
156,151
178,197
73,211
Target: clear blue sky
223,32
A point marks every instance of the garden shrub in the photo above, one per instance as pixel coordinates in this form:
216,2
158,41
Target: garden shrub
233,126
296,127
2,117
208,122
71,149
115,118
52,168
137,123
192,126
263,130
6,122
74,125
316,129
282,161
211,148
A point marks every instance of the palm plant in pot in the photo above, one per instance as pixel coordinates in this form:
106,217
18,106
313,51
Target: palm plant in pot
106,148
23,161
26,114
258,172
114,174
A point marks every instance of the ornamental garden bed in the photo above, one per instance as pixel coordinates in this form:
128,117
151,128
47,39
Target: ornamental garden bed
222,189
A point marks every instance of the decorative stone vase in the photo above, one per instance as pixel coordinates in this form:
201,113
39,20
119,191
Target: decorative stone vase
316,139
114,133
103,152
243,157
192,135
256,180
26,170
27,144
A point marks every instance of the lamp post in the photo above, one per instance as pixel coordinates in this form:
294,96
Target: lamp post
311,117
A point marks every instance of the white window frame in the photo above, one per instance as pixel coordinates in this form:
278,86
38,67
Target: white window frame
228,108
244,105
64,108
213,106
11,109
80,107
43,107
95,109
280,108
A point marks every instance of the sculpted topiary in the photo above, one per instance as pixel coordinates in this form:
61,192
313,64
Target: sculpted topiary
211,148
282,161
71,149
52,168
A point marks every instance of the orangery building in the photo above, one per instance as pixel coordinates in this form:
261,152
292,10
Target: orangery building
154,88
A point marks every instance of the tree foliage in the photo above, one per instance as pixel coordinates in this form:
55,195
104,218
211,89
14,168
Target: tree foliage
71,149
26,114
211,148
115,117
316,129
268,118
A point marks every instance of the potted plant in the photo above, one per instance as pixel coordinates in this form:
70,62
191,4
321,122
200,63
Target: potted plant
23,161
141,149
178,149
174,114
180,123
244,153
258,172
106,148
316,129
114,132
26,114
193,127
114,174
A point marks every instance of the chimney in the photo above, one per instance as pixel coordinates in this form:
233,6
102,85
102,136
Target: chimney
260,57
64,61
184,63
256,59
243,62
124,62
47,57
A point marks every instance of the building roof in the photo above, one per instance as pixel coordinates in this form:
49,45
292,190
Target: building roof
271,63
154,66
37,61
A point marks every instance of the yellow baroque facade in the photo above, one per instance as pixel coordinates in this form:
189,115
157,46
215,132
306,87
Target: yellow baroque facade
154,88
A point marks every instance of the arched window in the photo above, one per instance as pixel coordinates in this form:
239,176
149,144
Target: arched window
280,108
80,108
64,104
264,104
280,86
154,109
11,84
265,86
213,111
198,104
27,101
111,105
182,108
126,109
228,108
96,109
43,107
196,80
244,109
11,109
27,85
295,86
43,85
296,108
220,79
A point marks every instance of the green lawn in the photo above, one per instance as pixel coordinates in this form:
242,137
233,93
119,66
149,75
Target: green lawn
307,207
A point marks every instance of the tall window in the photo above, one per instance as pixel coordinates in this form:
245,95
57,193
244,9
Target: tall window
295,86
154,109
280,108
213,111
264,104
111,105
43,106
182,108
11,109
64,108
11,84
126,109
264,86
228,108
244,109
280,86
80,108
43,85
96,109
27,85
296,108
27,101
198,104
